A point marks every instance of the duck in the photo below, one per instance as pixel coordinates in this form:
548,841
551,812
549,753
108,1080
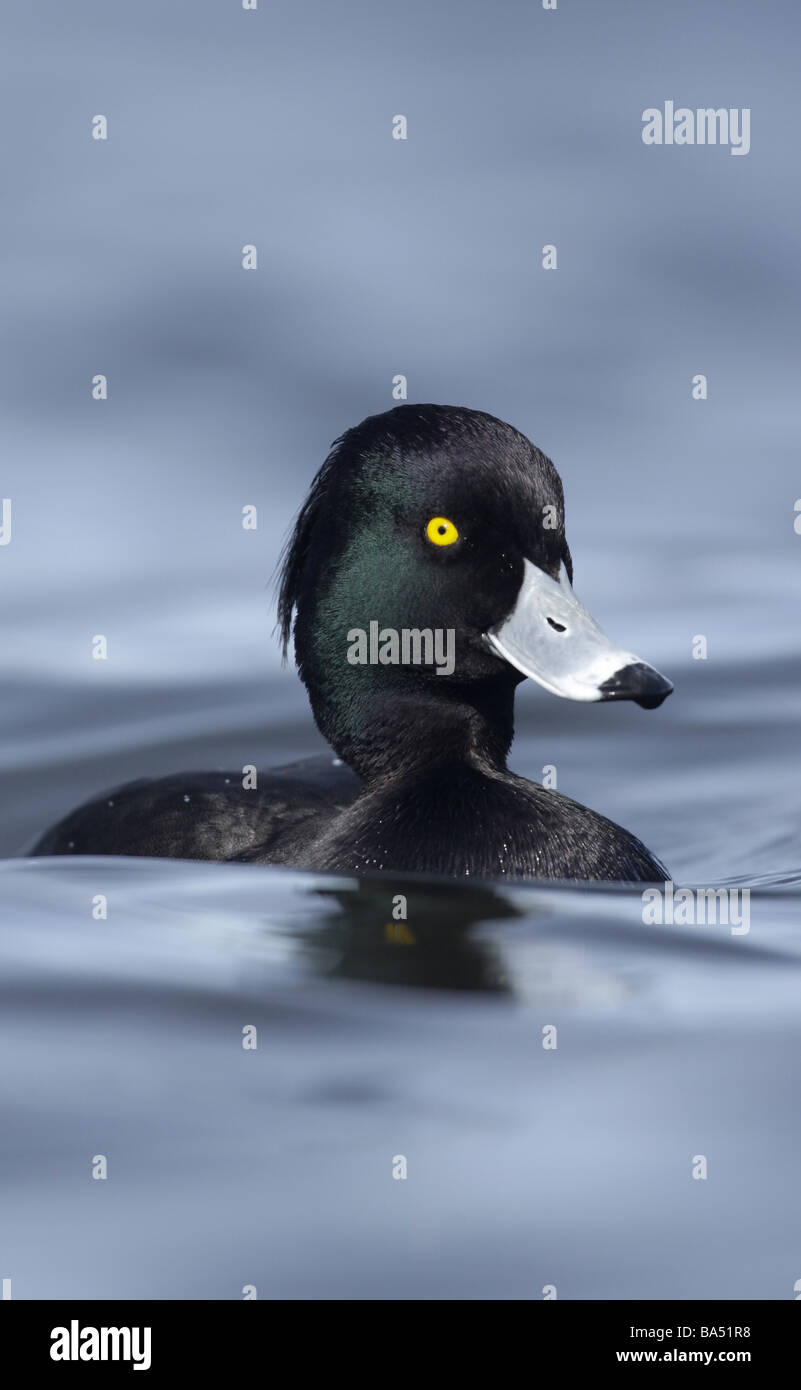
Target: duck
428,574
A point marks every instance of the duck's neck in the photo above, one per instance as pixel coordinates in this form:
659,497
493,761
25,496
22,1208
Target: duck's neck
391,729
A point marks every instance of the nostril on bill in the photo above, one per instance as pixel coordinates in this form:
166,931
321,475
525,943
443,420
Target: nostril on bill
557,627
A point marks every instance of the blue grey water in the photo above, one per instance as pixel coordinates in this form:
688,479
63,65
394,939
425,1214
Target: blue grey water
273,1167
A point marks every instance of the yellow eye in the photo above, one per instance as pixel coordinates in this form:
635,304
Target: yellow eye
441,531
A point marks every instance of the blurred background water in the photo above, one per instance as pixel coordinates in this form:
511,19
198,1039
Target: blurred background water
376,257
